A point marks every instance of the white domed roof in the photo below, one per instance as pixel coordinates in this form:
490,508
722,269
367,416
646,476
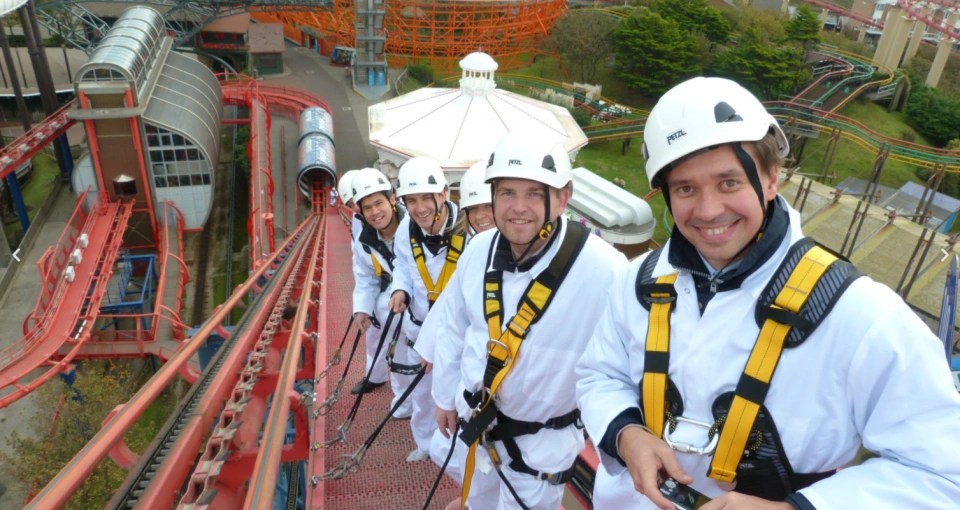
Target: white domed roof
478,61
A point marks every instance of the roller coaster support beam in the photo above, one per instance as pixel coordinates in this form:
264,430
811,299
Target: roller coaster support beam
48,93
59,490
943,53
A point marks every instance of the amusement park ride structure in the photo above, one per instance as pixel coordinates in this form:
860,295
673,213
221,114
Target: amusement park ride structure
260,403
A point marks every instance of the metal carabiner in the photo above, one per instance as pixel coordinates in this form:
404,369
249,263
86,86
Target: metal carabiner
706,449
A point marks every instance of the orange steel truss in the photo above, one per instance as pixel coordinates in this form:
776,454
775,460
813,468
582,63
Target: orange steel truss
437,32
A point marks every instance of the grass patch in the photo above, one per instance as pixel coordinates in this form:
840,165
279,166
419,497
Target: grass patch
877,118
35,191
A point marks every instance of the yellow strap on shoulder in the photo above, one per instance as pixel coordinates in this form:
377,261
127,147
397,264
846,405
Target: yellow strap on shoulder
657,348
505,349
377,268
454,249
762,362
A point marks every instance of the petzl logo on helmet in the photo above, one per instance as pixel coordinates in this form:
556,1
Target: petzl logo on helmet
514,162
431,180
676,135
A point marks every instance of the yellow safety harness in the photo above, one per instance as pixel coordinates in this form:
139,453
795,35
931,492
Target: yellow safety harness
503,348
786,321
454,249
377,268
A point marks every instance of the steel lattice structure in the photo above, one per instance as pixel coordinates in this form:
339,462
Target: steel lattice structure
439,32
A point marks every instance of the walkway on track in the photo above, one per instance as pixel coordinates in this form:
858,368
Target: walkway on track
384,480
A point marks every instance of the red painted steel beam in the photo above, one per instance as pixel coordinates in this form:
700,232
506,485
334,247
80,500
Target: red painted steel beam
315,489
68,324
832,7
56,493
264,480
181,458
19,151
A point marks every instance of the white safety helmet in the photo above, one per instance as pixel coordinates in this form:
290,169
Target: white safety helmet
700,113
474,189
516,157
368,181
420,174
345,187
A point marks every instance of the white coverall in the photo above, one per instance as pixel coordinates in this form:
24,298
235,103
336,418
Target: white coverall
541,384
406,277
871,373
368,298
439,445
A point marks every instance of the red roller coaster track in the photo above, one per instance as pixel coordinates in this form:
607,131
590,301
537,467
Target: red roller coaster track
913,9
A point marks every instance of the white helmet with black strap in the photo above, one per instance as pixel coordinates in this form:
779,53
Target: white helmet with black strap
518,157
369,181
702,113
474,189
422,174
344,186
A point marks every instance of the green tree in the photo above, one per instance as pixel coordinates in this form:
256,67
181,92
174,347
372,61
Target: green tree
696,16
767,70
934,114
654,53
583,39
769,22
805,28
81,412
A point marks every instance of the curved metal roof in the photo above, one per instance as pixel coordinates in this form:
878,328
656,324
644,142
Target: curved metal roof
129,47
187,100
8,6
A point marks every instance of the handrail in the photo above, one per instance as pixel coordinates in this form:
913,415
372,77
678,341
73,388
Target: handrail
59,489
263,481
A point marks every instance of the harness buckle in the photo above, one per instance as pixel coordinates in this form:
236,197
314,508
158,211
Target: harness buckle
493,343
705,449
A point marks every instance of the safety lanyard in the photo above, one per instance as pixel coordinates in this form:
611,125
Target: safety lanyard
454,249
504,344
781,317
377,268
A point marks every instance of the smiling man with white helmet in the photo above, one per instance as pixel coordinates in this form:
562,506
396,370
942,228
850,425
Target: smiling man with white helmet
517,314
427,252
373,269
747,361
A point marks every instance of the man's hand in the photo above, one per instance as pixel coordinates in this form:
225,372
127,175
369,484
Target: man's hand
647,456
737,501
427,366
446,421
364,321
398,301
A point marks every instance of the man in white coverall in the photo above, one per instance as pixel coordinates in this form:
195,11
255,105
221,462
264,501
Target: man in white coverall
476,215
666,389
533,425
425,262
373,262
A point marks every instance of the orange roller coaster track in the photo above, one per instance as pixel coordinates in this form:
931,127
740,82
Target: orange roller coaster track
439,32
